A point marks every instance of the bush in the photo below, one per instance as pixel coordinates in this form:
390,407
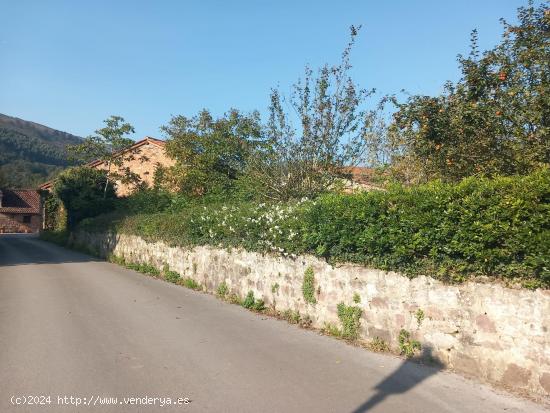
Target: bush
82,192
497,227
145,201
479,227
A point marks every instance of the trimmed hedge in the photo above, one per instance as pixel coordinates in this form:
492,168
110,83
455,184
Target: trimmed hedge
480,227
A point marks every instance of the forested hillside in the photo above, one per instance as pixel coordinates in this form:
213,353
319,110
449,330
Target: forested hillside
30,153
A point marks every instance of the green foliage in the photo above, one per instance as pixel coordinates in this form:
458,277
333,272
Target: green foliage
172,276
494,120
55,214
259,305
82,192
60,237
275,288
408,346
116,259
350,316
252,304
332,330
106,146
419,315
30,153
497,227
335,124
143,268
191,283
479,227
249,300
210,154
308,286
222,290
356,298
145,201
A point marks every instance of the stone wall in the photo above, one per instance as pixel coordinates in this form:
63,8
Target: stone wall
497,334
13,223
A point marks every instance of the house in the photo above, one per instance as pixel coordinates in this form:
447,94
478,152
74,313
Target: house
20,211
360,178
142,159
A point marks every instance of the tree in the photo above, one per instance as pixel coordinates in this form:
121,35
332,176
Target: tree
106,146
83,193
334,133
495,119
210,153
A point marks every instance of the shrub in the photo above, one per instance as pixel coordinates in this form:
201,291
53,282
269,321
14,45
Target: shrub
350,317
145,201
479,227
497,227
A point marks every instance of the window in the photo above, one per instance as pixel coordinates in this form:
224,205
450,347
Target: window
26,219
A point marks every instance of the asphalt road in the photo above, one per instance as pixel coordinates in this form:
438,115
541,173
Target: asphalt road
74,326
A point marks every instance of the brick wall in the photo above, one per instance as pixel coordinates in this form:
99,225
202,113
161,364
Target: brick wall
142,161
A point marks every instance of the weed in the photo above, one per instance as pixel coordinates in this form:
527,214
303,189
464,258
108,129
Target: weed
332,330
143,268
172,276
379,345
308,286
275,288
356,298
305,321
222,290
291,316
234,299
350,317
407,346
191,283
115,259
419,316
249,300
259,305
252,304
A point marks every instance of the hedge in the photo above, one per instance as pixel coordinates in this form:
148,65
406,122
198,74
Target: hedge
480,227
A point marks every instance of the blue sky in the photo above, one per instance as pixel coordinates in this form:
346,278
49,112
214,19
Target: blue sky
71,64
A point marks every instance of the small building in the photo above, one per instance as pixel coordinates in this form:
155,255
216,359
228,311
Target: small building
20,211
142,159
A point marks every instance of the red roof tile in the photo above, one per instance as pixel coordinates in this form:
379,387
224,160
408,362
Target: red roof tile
20,201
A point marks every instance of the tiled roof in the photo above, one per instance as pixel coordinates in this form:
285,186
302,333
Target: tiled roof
20,201
360,174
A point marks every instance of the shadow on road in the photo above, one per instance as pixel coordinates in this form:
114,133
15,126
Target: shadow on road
22,249
403,379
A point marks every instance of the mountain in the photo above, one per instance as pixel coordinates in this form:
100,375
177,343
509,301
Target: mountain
31,153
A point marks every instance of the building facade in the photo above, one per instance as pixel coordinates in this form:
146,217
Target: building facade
141,159
20,211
